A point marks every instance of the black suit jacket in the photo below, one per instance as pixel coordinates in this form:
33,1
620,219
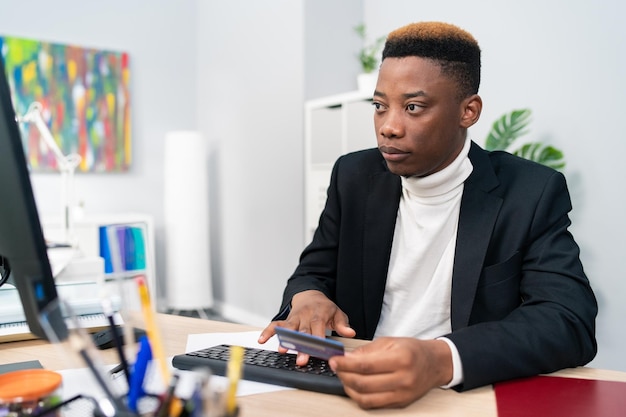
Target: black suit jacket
521,303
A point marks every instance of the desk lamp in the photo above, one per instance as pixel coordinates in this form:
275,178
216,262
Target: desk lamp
67,166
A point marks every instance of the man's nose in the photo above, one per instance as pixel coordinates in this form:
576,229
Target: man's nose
391,126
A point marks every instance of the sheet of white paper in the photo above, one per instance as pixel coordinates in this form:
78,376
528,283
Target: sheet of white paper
81,381
246,339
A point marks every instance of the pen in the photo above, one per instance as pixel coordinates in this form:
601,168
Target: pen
79,344
203,397
107,308
116,264
168,399
152,330
117,369
233,371
48,411
196,404
135,390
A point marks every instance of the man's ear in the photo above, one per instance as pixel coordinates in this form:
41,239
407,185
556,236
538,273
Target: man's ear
472,106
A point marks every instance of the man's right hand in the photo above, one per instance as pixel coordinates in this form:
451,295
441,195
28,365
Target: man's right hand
311,312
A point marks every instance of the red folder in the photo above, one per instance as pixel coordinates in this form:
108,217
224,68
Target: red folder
551,396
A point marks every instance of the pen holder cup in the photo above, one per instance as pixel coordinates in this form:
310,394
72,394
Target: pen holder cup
216,409
28,392
202,395
217,406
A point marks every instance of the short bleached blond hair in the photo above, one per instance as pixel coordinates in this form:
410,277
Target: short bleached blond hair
454,49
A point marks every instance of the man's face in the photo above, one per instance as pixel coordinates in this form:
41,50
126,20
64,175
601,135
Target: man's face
419,119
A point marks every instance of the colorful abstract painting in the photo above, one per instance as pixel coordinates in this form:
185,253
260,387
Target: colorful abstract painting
85,101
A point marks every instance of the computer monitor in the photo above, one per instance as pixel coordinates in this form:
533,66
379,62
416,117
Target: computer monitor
21,238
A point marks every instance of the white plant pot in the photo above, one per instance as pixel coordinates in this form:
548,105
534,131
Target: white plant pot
366,82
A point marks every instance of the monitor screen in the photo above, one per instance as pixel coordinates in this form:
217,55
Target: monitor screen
22,243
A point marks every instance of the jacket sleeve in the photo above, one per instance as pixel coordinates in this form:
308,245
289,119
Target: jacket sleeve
553,326
317,267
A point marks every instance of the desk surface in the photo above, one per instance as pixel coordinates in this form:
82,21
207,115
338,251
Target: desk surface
478,402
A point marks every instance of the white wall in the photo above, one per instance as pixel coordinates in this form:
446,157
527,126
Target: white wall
250,91
566,60
257,61
331,46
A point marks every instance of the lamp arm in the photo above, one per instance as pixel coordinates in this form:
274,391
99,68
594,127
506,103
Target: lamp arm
67,166
67,163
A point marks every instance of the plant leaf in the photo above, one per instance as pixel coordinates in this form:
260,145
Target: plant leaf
360,30
543,154
507,128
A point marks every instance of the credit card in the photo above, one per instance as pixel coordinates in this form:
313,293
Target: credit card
318,347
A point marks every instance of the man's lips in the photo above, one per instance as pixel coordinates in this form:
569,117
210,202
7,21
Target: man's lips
393,154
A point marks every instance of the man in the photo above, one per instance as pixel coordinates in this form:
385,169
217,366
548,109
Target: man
456,261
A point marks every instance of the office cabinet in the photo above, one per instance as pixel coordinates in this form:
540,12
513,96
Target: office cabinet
334,125
125,242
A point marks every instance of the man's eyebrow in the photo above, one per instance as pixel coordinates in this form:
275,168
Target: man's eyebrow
420,93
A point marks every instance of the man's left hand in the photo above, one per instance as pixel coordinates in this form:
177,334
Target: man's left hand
393,371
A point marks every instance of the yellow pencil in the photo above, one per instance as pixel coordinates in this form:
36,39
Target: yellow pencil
152,330
233,372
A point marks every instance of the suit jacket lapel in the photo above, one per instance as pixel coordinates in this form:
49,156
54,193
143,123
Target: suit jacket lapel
479,211
381,209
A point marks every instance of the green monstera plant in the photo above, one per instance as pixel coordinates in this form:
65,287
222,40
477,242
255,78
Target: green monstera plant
511,126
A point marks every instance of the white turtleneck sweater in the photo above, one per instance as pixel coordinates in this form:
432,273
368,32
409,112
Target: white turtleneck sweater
419,280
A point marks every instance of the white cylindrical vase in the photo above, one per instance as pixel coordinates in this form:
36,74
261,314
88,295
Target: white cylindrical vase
186,213
366,82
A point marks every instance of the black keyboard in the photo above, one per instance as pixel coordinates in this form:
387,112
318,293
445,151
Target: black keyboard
266,366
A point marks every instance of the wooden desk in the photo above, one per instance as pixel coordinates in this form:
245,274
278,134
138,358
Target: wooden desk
479,402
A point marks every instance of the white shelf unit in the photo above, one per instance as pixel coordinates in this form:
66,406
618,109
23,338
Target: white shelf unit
87,232
334,125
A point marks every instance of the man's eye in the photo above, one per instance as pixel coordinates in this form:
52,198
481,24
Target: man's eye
415,107
378,107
